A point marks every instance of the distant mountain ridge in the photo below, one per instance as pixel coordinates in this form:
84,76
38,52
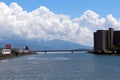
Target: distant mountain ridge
43,45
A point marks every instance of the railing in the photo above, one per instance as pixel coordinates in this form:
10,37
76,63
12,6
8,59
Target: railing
73,50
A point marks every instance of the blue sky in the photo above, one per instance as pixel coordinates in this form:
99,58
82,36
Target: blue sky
74,8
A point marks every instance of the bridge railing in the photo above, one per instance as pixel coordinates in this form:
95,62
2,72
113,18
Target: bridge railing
72,50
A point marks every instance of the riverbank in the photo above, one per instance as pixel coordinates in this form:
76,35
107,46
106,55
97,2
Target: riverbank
9,56
104,53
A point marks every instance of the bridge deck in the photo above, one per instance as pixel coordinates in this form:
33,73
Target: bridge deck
60,50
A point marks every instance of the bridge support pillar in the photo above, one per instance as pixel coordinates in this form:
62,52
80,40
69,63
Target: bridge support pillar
71,51
45,52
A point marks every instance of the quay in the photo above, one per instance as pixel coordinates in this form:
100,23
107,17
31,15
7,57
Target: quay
13,55
10,52
9,56
113,53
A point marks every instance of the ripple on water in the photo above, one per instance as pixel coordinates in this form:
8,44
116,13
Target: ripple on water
61,67
31,58
35,58
6,60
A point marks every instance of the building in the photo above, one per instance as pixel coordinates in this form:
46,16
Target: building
8,46
116,38
105,39
100,40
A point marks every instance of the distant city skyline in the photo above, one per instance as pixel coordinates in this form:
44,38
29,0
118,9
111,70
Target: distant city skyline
73,21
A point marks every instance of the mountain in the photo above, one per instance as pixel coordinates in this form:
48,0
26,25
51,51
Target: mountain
43,45
61,44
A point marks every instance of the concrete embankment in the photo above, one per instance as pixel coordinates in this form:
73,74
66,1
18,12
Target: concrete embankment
104,53
9,56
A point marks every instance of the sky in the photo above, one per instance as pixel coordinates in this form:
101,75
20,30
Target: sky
74,8
70,20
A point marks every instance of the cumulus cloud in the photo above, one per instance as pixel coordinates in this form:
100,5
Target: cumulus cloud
45,24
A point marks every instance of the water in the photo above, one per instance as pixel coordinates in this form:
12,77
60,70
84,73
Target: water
61,66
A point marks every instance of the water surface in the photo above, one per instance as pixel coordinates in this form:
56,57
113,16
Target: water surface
61,66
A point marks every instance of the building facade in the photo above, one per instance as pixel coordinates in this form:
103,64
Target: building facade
105,39
116,38
100,40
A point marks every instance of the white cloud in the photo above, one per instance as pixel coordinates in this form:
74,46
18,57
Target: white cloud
112,22
45,24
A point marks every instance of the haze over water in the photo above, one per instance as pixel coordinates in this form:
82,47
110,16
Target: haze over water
61,66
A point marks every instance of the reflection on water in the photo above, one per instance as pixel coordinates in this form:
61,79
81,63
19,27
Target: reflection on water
4,60
49,58
65,66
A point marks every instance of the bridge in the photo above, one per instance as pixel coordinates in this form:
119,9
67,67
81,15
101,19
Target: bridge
72,51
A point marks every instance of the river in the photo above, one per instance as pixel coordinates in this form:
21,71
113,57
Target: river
61,66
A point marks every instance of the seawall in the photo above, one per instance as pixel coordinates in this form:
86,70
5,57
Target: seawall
9,56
